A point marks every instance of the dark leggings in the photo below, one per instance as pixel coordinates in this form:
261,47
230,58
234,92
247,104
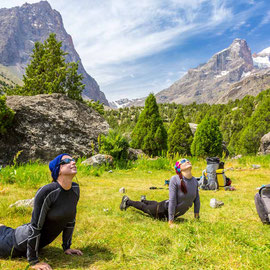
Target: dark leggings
155,209
7,242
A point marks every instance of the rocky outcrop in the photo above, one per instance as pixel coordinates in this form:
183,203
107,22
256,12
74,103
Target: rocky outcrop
21,27
265,145
48,125
98,160
208,82
252,85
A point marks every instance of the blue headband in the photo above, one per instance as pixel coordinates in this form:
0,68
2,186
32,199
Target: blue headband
55,166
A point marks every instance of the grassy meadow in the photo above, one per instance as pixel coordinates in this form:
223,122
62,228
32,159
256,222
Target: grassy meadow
230,237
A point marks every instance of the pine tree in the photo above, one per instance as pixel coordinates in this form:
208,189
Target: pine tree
179,135
149,133
48,72
208,138
259,125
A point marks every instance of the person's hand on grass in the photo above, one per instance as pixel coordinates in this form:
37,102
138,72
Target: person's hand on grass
41,266
73,252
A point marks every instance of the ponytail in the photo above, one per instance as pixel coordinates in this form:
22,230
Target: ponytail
183,186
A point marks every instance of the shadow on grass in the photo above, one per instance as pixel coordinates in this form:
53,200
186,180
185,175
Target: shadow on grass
177,220
56,258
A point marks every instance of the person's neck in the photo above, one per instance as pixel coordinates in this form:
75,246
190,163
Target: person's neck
187,174
65,182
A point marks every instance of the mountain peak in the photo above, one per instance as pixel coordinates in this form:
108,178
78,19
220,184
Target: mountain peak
22,26
207,82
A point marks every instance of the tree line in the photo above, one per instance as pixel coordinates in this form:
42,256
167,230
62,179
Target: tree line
236,126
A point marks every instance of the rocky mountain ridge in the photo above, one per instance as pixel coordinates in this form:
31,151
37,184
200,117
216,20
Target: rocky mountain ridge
21,27
208,82
229,74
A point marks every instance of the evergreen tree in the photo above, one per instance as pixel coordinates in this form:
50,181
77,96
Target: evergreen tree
179,135
149,133
208,138
259,125
48,72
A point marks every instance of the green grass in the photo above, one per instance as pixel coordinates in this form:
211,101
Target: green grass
231,237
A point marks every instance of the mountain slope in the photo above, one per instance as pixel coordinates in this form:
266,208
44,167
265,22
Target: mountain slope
208,82
21,27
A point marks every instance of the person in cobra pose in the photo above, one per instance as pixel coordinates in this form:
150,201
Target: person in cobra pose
54,212
183,192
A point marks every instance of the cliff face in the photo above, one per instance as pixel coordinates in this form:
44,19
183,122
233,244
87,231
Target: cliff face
208,82
21,27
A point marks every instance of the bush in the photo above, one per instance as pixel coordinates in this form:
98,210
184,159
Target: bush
6,115
96,105
114,144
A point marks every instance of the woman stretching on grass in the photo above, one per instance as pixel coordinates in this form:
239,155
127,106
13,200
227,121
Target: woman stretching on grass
54,212
183,192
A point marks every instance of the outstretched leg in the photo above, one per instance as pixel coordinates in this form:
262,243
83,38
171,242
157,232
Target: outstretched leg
149,202
150,209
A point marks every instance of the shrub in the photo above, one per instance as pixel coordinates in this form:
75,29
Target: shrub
6,115
114,144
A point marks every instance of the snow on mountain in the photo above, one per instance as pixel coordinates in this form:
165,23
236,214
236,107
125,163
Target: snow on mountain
265,51
262,59
124,102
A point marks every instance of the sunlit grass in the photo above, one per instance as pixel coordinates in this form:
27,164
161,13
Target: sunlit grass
230,237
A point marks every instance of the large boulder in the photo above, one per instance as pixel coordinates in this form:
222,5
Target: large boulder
134,154
47,125
98,160
265,145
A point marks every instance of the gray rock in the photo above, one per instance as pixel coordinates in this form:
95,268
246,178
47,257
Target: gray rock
48,125
193,127
256,166
98,160
122,190
23,203
265,145
134,154
237,157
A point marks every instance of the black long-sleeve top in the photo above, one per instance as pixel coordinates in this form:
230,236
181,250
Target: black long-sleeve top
54,212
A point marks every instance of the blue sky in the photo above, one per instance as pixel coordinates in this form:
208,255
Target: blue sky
133,48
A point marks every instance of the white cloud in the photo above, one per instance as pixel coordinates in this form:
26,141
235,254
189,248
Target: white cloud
266,19
113,36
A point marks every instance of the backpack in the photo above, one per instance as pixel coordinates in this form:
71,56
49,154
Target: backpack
209,177
262,202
